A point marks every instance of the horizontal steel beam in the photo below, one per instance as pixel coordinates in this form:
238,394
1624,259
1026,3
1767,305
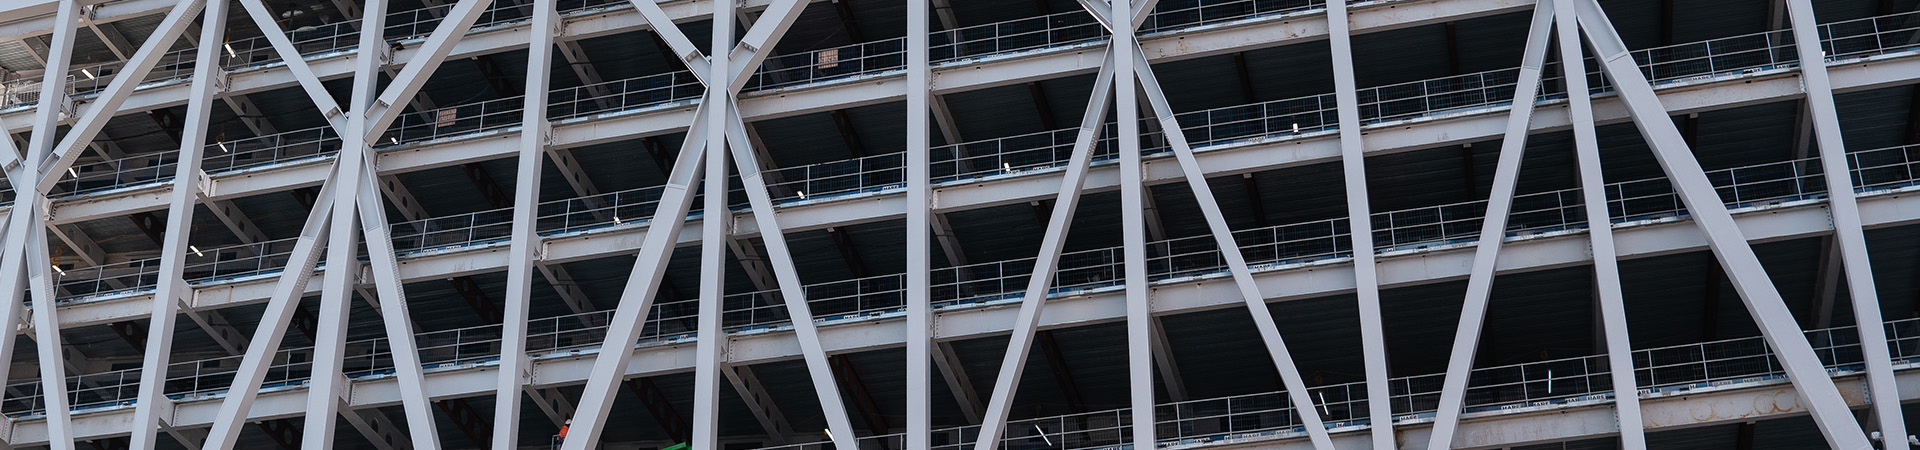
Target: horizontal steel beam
1595,419
1294,282
1312,148
484,39
1037,64
1529,253
22,14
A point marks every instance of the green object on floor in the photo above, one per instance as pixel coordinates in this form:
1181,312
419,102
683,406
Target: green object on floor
679,446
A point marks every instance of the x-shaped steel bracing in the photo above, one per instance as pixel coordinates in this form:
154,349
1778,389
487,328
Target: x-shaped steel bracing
348,200
716,132
1572,19
1124,74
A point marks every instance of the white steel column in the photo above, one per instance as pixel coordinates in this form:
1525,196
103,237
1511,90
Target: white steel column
1848,235
1373,342
327,385
1236,261
1763,301
31,235
1028,321
1133,235
636,300
1223,235
919,227
1606,267
1493,230
515,370
12,278
274,322
792,294
714,230
173,253
394,314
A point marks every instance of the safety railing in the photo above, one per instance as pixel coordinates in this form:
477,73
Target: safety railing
309,41
21,91
1424,226
1394,230
1184,257
1272,415
1219,126
343,36
780,71
1266,414
219,156
201,266
87,78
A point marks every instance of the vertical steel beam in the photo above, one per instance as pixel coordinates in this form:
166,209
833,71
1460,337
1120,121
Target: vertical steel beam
1506,174
791,291
27,245
919,228
515,370
173,252
282,307
1606,267
13,279
636,300
327,387
1133,233
385,269
1763,301
1230,251
1848,235
1373,343
715,228
1028,321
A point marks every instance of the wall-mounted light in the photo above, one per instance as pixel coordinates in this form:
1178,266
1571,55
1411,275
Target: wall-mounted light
223,147
230,52
196,251
57,269
88,74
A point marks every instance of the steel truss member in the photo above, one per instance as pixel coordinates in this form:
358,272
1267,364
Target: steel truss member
717,128
1729,245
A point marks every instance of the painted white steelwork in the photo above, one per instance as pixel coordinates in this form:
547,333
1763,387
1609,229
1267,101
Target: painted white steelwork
349,212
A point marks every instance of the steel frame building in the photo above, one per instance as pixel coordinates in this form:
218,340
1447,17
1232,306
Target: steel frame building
182,173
